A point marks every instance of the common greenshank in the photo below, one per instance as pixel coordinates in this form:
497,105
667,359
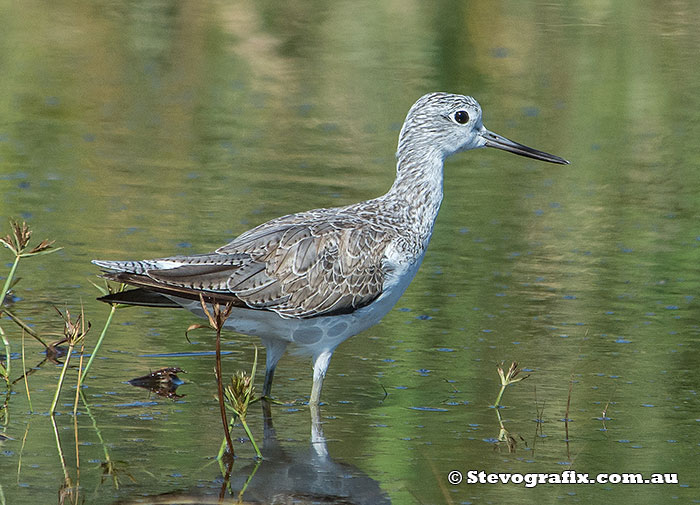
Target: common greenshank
318,277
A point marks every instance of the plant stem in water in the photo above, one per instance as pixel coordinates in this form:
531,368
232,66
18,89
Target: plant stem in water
52,410
8,281
97,345
26,380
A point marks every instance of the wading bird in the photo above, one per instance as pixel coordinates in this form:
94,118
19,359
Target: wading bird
318,277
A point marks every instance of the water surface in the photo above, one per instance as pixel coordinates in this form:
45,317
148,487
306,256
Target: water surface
147,129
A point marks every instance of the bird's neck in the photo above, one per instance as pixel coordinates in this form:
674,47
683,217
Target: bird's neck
418,190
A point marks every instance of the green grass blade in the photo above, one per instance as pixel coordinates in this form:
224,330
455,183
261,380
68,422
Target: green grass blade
113,309
8,281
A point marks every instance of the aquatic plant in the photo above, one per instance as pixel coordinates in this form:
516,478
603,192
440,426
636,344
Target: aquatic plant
110,468
6,368
239,394
507,379
18,242
106,290
74,332
217,317
26,380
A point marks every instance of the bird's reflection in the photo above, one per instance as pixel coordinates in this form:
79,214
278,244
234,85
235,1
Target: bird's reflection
299,474
304,474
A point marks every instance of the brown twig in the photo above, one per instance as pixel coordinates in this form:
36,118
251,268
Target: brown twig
217,318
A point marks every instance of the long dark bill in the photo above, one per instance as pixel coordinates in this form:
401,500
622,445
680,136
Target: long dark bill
500,142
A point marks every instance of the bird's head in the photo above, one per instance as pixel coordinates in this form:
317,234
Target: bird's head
444,124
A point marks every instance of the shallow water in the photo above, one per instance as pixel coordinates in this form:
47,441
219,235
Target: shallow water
143,130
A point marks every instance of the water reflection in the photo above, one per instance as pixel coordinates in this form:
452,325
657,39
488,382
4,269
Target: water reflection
163,382
305,473
289,473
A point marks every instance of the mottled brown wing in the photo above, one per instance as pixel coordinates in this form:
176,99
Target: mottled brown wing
297,266
311,269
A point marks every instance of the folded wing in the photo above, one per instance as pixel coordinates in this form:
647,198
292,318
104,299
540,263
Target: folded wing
297,270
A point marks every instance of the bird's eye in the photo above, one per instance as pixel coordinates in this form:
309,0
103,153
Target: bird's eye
461,117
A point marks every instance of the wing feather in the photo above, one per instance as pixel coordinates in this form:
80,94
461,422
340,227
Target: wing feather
304,265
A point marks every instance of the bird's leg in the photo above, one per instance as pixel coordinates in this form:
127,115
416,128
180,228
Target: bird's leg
321,362
268,428
318,440
274,349
269,375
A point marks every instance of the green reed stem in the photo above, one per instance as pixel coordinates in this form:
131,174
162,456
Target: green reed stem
250,436
500,395
224,444
108,460
61,378
8,281
26,380
21,451
77,389
61,455
25,327
97,345
248,480
5,370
